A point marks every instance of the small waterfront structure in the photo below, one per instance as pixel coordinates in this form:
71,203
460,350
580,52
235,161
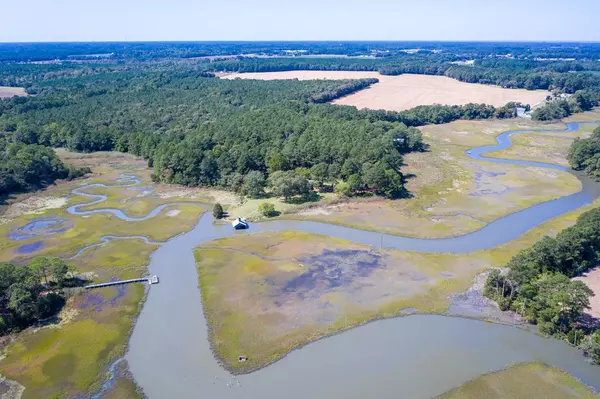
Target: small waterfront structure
240,224
149,280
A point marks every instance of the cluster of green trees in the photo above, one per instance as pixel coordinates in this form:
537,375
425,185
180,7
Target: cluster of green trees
30,293
285,147
582,100
584,154
343,90
267,209
538,284
197,130
26,167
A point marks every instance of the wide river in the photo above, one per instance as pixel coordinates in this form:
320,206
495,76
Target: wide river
417,356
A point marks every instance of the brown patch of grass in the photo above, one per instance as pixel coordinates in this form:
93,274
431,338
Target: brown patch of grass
397,93
8,92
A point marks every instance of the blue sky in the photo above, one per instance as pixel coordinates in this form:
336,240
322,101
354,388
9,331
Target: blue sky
118,20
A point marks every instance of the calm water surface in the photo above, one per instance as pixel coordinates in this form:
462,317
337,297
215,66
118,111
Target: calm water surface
416,356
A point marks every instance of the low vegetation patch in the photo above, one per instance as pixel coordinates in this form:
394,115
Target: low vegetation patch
265,294
543,147
67,354
405,91
67,358
452,194
523,381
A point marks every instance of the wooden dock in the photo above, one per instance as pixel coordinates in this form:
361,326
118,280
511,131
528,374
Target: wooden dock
149,280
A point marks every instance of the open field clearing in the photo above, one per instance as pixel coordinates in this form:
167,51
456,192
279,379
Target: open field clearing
592,280
523,381
453,194
265,294
398,93
8,92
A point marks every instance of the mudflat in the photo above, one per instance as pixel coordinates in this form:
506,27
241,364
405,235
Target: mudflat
397,93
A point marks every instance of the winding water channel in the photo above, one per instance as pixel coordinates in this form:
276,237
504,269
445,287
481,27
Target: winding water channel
416,356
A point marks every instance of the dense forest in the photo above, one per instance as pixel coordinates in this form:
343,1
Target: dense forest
538,285
162,101
195,129
26,167
573,71
31,292
584,154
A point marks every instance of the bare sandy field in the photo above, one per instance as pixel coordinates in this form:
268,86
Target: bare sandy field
397,93
8,92
592,279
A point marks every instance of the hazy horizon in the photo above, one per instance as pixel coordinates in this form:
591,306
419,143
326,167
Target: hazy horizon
303,41
312,20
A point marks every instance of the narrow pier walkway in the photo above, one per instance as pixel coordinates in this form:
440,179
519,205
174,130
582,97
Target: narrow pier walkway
149,280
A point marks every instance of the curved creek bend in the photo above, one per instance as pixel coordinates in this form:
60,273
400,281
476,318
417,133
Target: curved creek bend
417,356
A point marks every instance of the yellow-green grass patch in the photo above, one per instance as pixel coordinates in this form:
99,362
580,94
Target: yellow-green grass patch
452,194
89,229
265,294
523,381
70,357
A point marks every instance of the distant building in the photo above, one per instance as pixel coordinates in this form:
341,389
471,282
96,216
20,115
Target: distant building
240,224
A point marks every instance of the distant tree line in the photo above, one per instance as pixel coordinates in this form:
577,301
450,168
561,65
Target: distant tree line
144,51
343,90
501,74
530,75
538,285
30,293
584,154
198,130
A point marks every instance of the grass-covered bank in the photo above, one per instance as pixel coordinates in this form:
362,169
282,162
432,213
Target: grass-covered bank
68,356
522,381
453,194
265,294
